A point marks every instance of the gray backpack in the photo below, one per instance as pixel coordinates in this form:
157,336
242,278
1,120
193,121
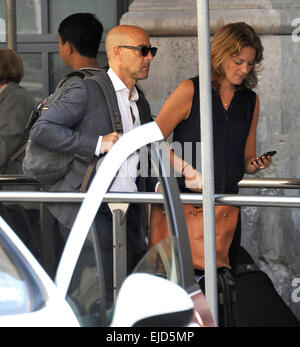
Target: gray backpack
47,166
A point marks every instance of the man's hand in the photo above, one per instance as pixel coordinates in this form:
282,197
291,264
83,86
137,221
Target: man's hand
108,141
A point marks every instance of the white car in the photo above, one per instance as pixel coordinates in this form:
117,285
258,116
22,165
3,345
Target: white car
159,293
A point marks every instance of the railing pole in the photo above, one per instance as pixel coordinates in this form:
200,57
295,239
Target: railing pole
155,198
207,157
119,245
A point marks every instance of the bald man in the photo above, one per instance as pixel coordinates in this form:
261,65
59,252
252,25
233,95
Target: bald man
129,53
79,123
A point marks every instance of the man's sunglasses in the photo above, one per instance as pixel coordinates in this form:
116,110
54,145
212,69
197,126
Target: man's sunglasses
143,49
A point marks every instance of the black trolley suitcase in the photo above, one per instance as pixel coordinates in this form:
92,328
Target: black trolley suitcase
258,303
226,296
248,298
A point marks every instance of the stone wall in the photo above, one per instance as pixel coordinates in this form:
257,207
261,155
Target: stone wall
271,235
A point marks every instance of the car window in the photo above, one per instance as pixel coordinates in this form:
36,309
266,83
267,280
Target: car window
86,294
14,291
161,260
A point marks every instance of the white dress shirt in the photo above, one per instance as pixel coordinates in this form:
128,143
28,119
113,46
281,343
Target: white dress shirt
126,177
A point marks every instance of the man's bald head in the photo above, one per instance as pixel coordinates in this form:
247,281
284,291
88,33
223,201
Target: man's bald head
124,35
123,48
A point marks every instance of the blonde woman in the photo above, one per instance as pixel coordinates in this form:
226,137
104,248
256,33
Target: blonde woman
236,52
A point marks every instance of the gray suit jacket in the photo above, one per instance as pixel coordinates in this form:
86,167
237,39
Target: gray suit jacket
73,125
16,105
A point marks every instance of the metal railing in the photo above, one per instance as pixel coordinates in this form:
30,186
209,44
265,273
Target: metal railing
187,198
279,183
43,197
154,198
249,182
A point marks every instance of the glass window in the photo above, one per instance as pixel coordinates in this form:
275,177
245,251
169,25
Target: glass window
29,17
60,70
43,66
14,293
2,30
86,294
161,260
106,11
32,80
2,21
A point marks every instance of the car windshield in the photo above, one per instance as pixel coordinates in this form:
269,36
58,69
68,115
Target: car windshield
14,293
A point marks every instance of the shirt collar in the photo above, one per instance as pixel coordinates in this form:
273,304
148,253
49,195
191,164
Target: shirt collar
119,85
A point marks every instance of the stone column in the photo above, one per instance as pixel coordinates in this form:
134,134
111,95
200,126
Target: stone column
271,235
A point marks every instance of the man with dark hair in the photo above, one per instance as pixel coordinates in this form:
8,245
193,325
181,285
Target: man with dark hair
79,37
79,123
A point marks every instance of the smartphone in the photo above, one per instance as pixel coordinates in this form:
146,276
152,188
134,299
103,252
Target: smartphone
271,153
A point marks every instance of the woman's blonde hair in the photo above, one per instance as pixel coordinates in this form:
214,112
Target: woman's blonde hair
11,66
227,43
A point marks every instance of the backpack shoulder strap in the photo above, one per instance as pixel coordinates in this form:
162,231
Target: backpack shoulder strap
77,73
104,82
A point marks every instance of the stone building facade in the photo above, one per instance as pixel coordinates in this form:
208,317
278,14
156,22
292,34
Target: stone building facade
270,234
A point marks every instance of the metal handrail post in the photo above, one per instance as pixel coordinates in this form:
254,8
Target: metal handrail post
207,157
119,245
11,24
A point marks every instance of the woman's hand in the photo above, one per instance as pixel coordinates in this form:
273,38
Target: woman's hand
259,163
193,179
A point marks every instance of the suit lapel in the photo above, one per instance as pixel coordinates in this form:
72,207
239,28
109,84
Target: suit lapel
144,110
